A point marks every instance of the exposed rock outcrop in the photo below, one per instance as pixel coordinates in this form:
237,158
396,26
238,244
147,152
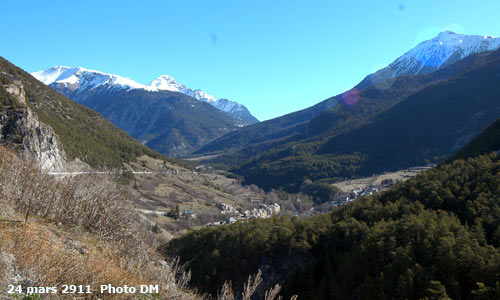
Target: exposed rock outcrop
21,126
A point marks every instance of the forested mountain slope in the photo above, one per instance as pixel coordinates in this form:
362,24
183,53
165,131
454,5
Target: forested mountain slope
354,134
383,86
168,122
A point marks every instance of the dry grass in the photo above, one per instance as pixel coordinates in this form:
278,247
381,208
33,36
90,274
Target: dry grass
40,254
92,201
79,230
249,290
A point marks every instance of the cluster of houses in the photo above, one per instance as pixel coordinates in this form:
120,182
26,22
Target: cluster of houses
353,195
262,212
359,192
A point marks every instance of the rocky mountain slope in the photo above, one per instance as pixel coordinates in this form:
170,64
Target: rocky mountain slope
165,116
76,84
80,81
20,125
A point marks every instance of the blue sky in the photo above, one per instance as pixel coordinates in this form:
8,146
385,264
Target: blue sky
273,56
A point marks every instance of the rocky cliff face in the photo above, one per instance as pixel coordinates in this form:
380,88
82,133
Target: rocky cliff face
20,125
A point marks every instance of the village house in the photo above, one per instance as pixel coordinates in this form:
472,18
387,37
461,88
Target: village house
189,213
225,208
230,220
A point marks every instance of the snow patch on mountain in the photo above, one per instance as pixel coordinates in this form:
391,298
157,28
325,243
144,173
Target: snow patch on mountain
227,105
168,83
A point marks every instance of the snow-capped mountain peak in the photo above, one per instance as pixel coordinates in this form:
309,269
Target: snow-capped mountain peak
168,83
444,49
80,82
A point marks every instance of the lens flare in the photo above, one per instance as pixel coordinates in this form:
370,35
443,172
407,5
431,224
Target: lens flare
350,97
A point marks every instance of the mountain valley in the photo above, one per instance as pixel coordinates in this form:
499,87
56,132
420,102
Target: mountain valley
389,190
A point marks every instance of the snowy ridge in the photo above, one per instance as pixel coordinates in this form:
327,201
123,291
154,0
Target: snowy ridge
80,80
446,48
84,79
